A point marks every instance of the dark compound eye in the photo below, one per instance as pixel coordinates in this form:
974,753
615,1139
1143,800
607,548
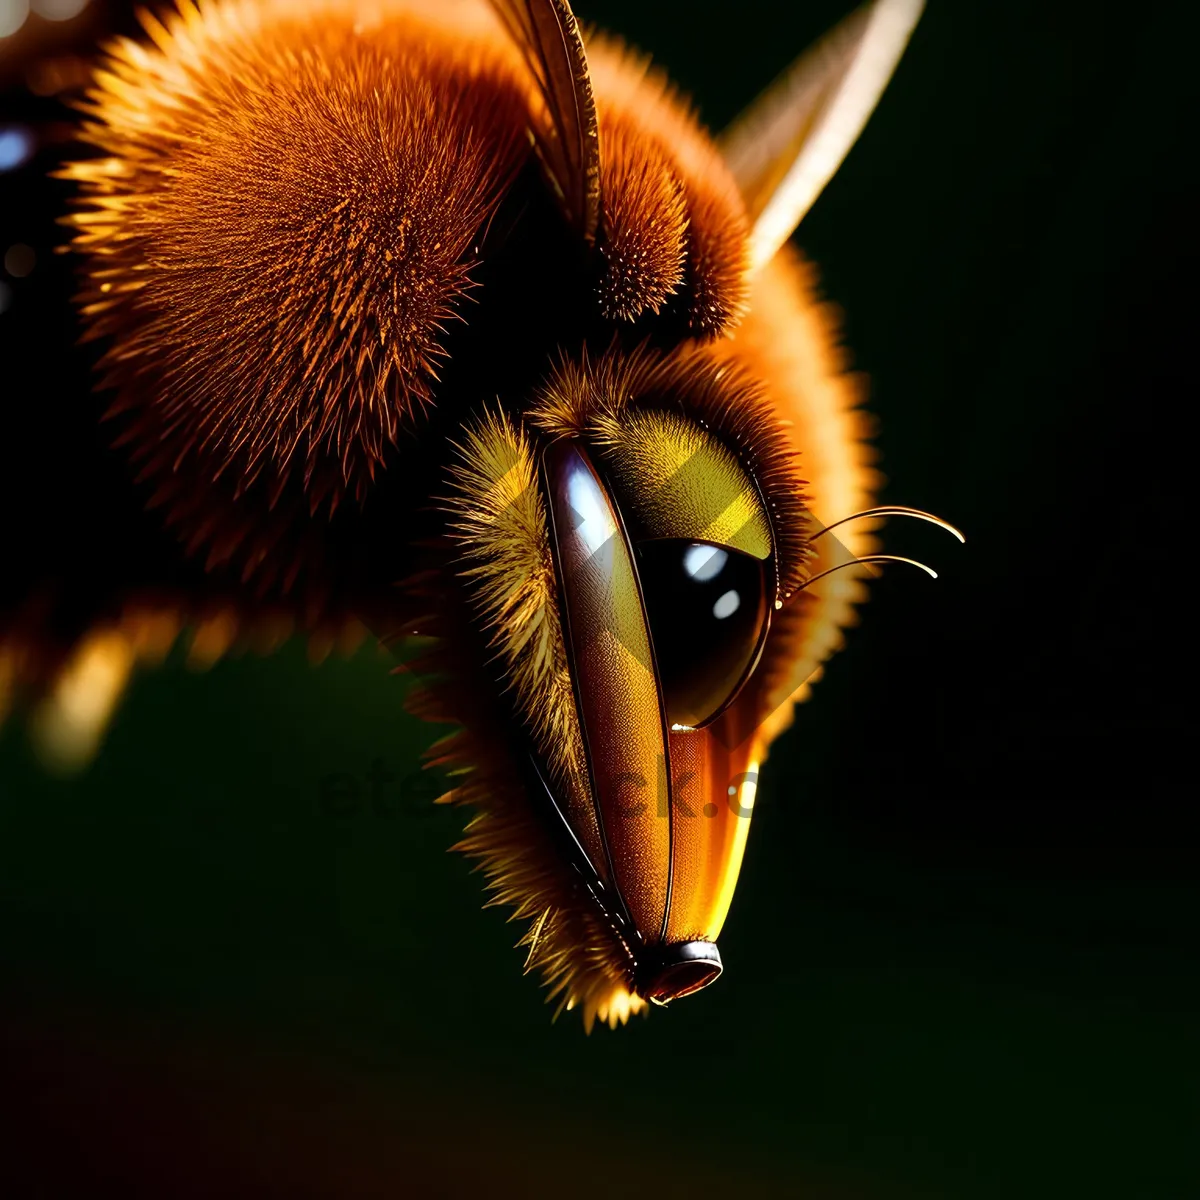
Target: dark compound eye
707,610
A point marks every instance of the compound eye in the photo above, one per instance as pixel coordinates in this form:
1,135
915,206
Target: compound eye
707,610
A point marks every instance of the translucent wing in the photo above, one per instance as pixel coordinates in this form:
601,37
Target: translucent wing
549,37
786,147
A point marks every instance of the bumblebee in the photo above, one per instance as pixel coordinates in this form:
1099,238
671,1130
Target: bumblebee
450,324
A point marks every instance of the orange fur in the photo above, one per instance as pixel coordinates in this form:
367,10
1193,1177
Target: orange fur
791,342
629,90
643,230
281,230
567,940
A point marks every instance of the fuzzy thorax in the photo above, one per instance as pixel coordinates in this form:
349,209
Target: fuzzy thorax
280,226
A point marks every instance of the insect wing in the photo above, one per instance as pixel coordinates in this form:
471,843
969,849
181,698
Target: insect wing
549,37
787,146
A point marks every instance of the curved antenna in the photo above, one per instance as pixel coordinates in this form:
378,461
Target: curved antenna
787,146
867,559
895,510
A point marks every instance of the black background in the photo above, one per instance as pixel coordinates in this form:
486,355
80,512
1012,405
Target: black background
962,960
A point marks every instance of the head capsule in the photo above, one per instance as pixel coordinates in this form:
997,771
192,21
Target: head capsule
628,538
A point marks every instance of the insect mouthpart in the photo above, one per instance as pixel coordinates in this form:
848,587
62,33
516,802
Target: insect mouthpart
679,970
660,973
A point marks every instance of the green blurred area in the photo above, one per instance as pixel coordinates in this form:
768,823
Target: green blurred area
876,1033
899,1016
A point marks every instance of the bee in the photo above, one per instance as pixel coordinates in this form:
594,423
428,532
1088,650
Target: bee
448,323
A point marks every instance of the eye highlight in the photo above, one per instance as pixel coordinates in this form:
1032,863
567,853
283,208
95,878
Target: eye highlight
703,563
727,605
707,610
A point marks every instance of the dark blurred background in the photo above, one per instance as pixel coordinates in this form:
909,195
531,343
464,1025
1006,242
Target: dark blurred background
962,960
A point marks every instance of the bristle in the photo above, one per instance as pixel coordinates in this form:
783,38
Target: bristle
717,227
580,962
498,518
279,233
573,950
643,233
